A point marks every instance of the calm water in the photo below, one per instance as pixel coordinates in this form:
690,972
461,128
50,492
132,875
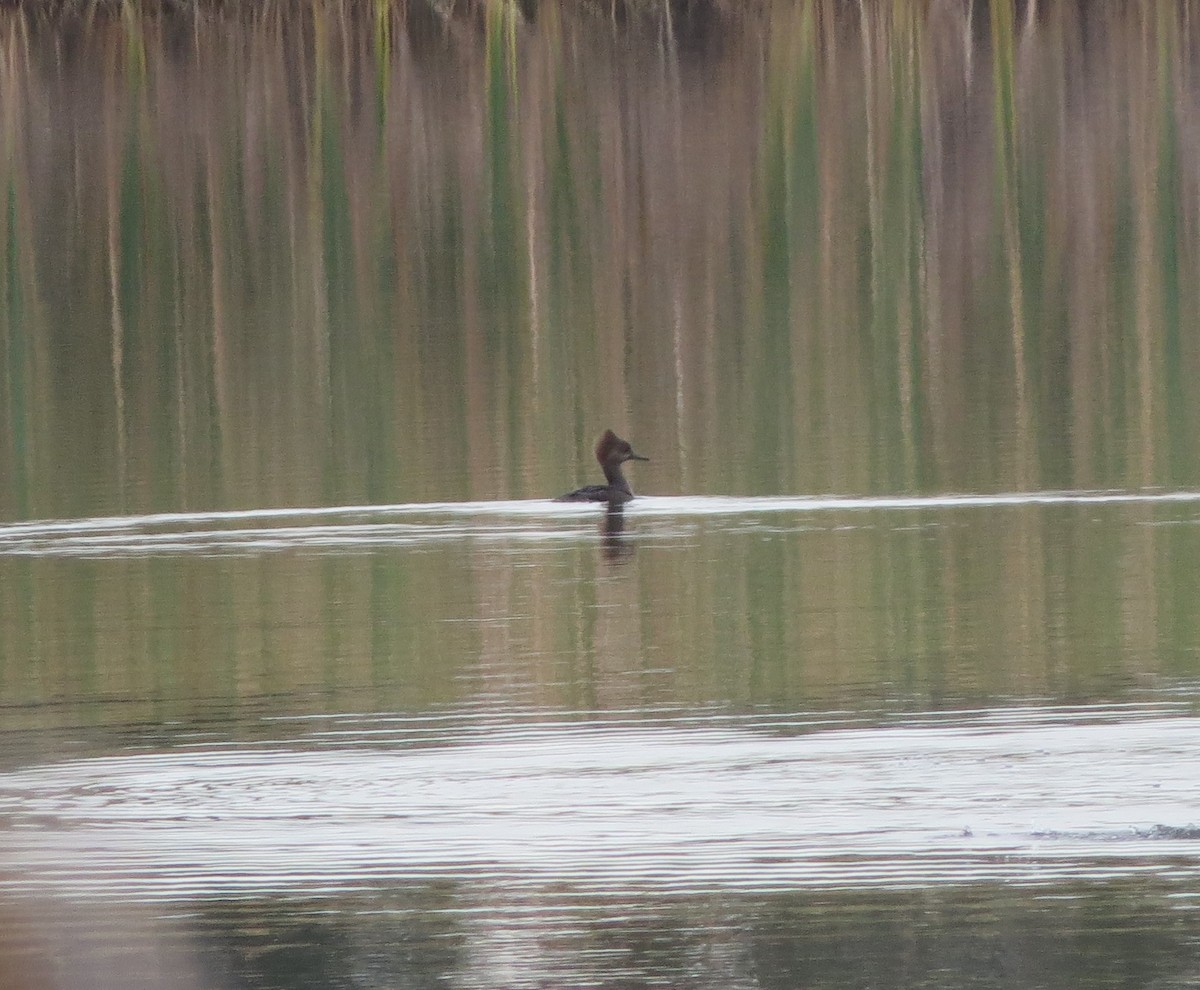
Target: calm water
891,680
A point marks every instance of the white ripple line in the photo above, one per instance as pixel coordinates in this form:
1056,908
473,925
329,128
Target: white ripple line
643,505
598,805
131,535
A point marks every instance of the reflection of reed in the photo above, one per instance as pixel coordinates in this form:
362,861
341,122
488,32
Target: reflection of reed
1004,83
22,354
390,252
439,198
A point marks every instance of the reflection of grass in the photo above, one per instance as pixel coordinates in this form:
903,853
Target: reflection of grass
352,251
657,10
527,208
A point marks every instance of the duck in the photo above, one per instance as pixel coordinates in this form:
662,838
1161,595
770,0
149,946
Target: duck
611,453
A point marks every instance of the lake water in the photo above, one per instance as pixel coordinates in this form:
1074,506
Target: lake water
891,679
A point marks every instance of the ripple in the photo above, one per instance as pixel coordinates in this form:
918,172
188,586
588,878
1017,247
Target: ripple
659,807
527,523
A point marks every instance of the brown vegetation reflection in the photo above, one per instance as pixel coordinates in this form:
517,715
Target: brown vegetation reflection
320,254
293,254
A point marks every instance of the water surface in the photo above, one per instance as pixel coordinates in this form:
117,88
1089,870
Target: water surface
889,678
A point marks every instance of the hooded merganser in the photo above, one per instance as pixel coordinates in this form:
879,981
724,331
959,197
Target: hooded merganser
611,452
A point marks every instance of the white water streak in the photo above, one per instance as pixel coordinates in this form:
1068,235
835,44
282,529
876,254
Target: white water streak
658,808
366,527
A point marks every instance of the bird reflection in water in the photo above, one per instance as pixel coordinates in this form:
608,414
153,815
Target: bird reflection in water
615,545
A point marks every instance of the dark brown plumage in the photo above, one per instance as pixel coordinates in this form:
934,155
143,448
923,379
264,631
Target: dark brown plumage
611,452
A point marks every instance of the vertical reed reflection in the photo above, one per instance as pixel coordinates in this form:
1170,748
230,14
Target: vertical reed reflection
304,254
448,248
